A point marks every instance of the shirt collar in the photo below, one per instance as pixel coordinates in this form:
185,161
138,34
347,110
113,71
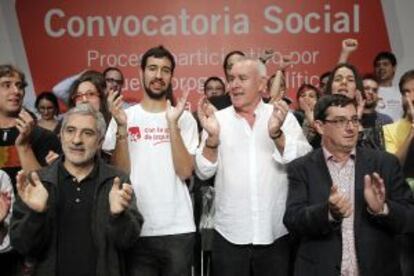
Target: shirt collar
261,106
329,156
66,175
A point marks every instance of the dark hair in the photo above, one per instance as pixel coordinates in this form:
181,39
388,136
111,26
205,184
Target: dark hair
49,96
370,76
327,101
385,55
358,79
8,70
213,78
324,75
304,87
113,69
307,86
228,56
157,52
98,80
407,76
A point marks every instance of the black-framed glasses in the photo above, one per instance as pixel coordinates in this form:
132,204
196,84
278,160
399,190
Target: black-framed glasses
111,80
343,122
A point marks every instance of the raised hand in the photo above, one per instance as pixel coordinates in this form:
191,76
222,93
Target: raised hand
339,204
174,113
25,124
268,54
349,45
206,116
374,192
5,203
120,196
360,103
115,101
280,110
32,191
51,156
285,62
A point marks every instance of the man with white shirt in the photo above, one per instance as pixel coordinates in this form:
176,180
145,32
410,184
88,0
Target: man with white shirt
390,100
157,144
247,146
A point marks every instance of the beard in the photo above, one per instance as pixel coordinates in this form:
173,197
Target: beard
157,96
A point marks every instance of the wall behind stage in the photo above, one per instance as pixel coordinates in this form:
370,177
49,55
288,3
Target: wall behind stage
53,40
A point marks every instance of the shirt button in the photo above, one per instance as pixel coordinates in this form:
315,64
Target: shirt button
78,189
77,200
74,180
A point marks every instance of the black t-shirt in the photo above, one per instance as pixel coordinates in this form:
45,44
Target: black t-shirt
42,142
76,252
369,120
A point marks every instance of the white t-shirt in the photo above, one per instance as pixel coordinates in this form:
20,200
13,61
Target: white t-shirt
390,102
162,198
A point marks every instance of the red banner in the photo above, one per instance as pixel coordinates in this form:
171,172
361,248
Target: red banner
62,38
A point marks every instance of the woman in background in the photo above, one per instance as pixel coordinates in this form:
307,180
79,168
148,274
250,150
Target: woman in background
48,107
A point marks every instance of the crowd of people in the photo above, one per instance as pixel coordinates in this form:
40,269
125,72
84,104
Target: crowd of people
109,188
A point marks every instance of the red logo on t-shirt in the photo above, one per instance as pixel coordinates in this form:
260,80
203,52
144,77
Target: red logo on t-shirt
134,133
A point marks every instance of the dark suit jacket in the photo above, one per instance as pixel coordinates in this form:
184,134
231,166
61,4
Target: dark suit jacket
320,249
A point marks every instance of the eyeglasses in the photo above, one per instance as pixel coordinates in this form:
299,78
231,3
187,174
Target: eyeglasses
111,80
88,95
343,122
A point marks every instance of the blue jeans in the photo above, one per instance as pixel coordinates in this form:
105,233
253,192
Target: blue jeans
170,255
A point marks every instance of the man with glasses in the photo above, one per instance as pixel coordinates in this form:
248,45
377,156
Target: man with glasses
114,82
345,203
114,79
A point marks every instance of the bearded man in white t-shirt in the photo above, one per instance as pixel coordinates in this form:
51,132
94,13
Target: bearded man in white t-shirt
158,149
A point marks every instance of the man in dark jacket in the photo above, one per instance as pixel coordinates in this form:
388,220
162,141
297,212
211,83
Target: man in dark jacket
77,216
345,203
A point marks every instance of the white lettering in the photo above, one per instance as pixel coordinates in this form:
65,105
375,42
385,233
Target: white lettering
48,23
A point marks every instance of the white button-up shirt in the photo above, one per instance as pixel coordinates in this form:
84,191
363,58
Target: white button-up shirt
251,181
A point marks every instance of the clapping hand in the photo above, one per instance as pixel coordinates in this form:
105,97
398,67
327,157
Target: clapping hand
5,203
31,191
25,124
120,196
280,111
174,112
339,204
206,115
374,192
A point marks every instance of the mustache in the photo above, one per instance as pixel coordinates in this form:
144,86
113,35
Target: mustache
158,80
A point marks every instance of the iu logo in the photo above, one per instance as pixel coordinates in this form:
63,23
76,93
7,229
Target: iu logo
134,133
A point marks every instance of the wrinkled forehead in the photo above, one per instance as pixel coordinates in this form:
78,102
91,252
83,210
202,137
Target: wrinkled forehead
244,67
79,120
